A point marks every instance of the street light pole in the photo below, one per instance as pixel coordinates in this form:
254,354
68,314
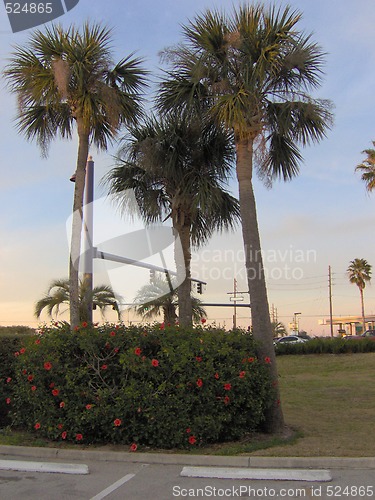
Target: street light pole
296,329
88,235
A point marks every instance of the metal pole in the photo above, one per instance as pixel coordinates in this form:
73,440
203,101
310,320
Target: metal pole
235,302
88,235
330,299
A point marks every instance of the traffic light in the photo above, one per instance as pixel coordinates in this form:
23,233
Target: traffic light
199,288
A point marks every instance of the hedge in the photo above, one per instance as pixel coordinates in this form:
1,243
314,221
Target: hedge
326,346
164,388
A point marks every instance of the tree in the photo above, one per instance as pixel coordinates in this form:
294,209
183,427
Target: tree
159,298
368,169
59,293
359,272
177,169
64,78
278,329
252,72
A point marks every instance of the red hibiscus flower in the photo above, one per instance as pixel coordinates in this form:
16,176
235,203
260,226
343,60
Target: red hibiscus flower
226,400
227,387
62,404
112,334
199,382
79,437
137,351
88,407
117,422
155,362
8,401
133,447
84,324
63,435
37,341
198,358
16,354
9,379
251,360
103,367
188,430
203,321
30,378
47,365
52,385
23,350
192,439
267,360
37,426
242,374
55,392
217,376
60,426
116,350
33,388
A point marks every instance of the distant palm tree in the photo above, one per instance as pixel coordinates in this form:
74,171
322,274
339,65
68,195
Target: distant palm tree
359,272
368,168
278,329
252,72
177,169
158,298
66,77
58,294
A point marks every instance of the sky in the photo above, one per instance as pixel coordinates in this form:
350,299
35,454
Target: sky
323,218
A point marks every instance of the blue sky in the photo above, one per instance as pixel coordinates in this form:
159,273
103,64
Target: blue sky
325,213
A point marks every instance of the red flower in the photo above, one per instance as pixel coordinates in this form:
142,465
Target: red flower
267,360
8,400
117,422
79,437
62,404
133,447
60,426
138,351
37,341
103,367
251,360
162,326
155,362
227,387
55,392
9,379
199,382
63,435
226,400
198,358
192,440
217,376
30,378
52,385
203,321
116,350
16,353
37,426
112,334
47,365
88,407
33,388
188,430
242,374
23,350
84,324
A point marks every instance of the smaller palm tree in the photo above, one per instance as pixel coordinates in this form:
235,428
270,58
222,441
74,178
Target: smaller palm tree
359,272
59,293
368,168
278,329
161,297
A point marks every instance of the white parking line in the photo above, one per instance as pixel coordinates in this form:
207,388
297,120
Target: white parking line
115,485
25,466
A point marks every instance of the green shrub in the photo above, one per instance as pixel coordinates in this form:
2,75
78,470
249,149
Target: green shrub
326,346
8,346
162,388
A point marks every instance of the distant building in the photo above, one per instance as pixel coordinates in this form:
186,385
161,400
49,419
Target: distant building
349,325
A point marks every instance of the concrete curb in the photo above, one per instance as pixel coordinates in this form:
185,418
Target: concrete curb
193,460
27,466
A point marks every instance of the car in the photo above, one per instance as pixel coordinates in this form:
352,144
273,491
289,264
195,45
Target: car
290,339
369,334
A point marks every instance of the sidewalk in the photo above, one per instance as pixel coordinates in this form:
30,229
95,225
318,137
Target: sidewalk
34,453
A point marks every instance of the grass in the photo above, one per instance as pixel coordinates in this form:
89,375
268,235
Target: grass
328,402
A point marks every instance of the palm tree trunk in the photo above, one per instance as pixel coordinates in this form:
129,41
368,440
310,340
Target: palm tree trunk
183,263
262,329
75,248
363,309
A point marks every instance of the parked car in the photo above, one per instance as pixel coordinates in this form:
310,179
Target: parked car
369,334
290,339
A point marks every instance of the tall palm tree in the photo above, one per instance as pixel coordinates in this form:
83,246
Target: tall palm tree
252,73
159,298
64,78
59,293
177,169
359,273
368,169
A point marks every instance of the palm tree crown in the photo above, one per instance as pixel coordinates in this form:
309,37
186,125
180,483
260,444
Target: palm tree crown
58,294
368,169
64,78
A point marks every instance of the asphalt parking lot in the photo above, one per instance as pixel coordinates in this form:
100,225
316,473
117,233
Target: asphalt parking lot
148,479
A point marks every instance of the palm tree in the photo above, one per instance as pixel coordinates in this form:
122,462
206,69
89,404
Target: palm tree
359,272
278,329
368,169
252,73
59,293
177,169
159,297
66,77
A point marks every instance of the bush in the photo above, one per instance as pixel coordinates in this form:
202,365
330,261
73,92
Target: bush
326,346
147,386
8,346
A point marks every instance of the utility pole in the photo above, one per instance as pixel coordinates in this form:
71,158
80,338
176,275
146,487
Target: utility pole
234,304
330,298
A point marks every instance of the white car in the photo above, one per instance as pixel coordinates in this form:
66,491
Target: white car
290,339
